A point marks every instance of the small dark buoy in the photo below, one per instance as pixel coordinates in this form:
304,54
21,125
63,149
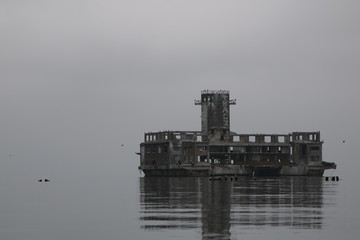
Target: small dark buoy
40,180
46,180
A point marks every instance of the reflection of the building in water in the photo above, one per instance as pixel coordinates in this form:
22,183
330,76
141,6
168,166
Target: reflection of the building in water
221,207
216,208
290,202
170,203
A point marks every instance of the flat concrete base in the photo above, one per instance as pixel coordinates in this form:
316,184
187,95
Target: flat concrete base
239,170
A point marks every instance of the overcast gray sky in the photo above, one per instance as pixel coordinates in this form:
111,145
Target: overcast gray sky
79,78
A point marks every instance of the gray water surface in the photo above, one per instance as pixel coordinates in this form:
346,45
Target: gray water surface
112,207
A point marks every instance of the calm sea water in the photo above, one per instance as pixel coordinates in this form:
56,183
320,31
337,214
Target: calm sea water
113,207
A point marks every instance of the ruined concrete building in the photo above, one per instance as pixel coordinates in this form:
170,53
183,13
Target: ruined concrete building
215,150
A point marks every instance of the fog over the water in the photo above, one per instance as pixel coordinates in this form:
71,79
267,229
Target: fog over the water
80,78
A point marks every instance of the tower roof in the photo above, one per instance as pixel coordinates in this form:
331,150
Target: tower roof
215,91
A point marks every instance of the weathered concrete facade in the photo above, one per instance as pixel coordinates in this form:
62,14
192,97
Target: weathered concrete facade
215,150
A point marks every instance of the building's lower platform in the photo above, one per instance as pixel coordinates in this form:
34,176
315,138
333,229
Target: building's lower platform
239,170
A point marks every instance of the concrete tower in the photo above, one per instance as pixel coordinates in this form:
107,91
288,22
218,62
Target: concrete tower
215,114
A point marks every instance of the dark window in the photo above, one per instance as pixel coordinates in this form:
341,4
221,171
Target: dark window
315,158
303,150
